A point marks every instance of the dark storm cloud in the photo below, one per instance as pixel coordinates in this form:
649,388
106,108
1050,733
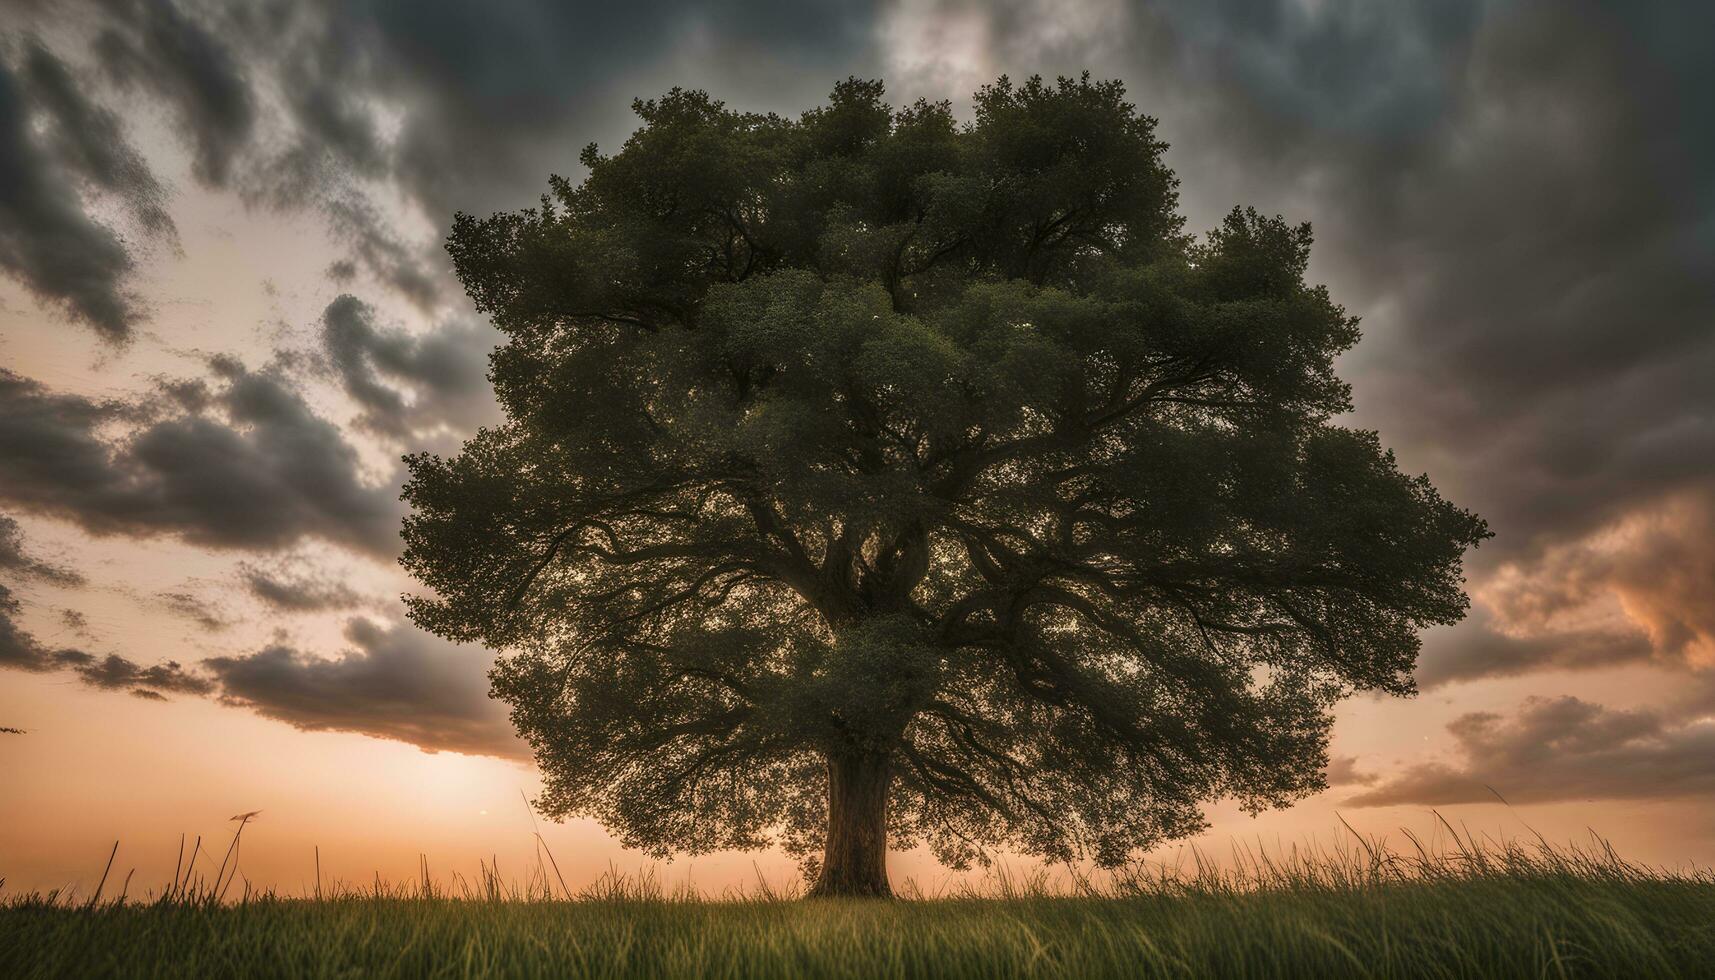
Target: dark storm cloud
1520,200
332,106
310,154
497,96
394,682
1518,197
262,474
407,383
47,242
298,590
491,99
1562,749
1558,322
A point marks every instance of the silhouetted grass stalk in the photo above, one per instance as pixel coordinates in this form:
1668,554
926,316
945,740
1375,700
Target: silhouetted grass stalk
1454,904
1366,863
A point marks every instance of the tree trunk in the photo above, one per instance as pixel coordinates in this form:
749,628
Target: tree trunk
854,862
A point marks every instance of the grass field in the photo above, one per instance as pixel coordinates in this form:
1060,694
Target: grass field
1510,912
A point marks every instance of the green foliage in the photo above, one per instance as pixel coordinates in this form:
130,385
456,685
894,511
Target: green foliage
872,435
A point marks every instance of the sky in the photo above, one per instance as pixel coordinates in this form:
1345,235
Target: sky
225,314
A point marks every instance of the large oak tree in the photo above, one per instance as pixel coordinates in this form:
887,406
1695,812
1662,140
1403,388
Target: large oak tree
871,478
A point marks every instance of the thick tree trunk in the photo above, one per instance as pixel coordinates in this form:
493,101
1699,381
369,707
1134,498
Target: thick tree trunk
854,861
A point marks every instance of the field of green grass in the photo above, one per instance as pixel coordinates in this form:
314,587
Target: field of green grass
1510,912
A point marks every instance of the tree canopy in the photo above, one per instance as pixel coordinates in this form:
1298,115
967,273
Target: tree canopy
871,478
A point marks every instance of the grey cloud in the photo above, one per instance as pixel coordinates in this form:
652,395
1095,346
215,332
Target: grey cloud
205,614
267,474
181,58
529,82
1562,749
19,650
491,100
334,123
17,561
1557,333
114,672
1479,648
394,682
47,242
75,621
395,263
1520,198
197,62
193,62
298,590
406,383
1659,563
494,98
482,103
1521,194
1382,76
1343,771
89,139
1537,612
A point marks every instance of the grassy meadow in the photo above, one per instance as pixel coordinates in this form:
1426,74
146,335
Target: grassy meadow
1470,911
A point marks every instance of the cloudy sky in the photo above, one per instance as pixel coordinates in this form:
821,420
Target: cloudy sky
224,314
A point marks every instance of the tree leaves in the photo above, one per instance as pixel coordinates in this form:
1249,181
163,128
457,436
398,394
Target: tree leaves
869,433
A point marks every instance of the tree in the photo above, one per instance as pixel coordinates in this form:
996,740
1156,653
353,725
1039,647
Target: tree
870,478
